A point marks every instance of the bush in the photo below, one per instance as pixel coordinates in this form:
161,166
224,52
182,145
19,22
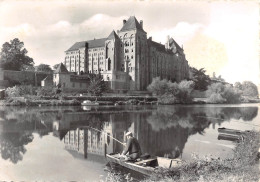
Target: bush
241,166
249,89
158,86
46,91
219,93
19,91
170,93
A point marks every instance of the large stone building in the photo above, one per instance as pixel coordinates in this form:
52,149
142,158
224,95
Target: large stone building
128,59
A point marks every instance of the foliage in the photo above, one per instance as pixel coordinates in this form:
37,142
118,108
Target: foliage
158,86
13,56
249,89
200,79
97,85
238,85
169,93
43,68
21,90
241,166
220,93
12,145
46,91
56,66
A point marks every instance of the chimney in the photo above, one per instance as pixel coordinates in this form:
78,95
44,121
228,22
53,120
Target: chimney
150,38
124,21
141,23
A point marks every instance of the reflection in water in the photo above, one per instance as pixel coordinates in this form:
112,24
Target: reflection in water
161,131
12,145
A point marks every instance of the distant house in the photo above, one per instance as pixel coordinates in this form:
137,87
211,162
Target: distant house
47,82
66,80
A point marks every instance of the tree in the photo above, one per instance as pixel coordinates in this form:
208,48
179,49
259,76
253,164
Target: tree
238,85
158,86
97,85
13,56
220,93
43,67
249,89
169,92
56,66
201,80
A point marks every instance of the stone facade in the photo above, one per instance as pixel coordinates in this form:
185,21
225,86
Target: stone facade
128,59
66,80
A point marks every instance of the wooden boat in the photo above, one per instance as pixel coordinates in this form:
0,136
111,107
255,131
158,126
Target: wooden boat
147,166
89,103
233,138
231,131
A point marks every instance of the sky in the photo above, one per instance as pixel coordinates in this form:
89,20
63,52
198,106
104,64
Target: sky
220,36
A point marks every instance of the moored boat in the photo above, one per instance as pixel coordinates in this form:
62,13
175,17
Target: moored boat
231,131
233,138
89,103
146,166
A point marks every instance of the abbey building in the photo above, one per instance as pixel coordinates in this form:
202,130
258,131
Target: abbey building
127,59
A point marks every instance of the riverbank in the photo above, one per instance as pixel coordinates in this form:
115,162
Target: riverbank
242,165
102,100
77,100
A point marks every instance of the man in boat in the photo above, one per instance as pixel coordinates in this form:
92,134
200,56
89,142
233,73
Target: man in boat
132,149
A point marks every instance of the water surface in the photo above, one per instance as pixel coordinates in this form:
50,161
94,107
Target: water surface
65,143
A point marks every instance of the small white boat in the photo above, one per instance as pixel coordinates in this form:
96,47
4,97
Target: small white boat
89,103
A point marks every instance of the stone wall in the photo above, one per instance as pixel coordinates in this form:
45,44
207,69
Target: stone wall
24,77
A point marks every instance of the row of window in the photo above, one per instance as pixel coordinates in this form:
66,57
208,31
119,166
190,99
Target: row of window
100,58
95,63
127,50
72,52
96,49
96,54
127,57
127,44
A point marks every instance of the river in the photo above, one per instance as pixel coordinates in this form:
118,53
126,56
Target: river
59,144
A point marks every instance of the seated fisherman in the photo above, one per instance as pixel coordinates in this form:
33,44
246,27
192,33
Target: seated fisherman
132,147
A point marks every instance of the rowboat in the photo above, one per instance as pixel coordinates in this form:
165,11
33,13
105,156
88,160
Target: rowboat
89,103
231,131
146,166
233,138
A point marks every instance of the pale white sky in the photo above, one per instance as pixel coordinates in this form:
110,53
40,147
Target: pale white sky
219,36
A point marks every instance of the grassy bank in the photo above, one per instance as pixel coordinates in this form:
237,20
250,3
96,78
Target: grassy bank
242,165
23,101
76,100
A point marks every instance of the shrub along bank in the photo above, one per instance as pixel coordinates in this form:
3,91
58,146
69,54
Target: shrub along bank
168,92
242,165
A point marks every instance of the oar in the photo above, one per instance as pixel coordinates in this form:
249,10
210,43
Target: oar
106,134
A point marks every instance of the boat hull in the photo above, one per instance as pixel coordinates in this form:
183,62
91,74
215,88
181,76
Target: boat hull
146,167
130,165
231,131
90,104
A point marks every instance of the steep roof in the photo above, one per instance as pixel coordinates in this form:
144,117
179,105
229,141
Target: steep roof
131,24
91,44
172,41
61,69
113,35
158,46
